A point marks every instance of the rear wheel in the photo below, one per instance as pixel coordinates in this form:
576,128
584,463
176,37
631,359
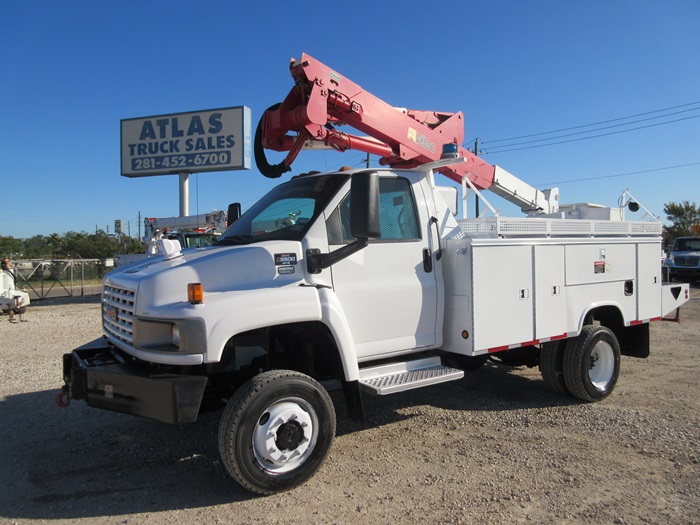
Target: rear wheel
591,363
276,431
552,365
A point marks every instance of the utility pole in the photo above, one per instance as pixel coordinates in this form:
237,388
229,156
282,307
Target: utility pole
367,161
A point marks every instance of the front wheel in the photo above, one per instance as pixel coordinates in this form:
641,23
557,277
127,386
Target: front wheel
276,431
591,363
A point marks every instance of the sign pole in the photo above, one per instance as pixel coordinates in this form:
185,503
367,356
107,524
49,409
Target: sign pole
184,194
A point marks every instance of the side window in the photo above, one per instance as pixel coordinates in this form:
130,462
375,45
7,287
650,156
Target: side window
397,211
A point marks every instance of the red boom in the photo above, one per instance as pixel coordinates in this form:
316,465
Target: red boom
322,99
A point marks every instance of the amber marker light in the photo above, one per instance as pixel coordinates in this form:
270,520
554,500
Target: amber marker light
195,293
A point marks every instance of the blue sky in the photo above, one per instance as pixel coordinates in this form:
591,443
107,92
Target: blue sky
71,70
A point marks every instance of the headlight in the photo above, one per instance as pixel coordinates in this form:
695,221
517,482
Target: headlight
170,335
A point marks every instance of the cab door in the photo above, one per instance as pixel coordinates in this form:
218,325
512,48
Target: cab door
388,290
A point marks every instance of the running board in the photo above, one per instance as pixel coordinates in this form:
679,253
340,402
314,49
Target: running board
397,377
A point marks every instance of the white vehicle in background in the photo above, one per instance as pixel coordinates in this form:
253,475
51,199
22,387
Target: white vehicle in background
192,231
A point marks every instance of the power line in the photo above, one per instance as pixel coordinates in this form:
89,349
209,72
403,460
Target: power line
596,123
604,127
556,183
591,137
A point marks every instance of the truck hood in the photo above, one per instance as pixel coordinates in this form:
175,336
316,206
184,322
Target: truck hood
158,282
682,255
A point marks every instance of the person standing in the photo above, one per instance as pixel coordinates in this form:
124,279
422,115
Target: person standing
7,284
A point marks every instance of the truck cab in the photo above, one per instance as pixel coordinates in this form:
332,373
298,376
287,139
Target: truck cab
683,261
304,272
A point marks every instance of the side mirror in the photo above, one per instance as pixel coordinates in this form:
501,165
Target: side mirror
450,196
364,205
234,213
364,222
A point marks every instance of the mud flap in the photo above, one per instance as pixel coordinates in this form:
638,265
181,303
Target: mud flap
634,340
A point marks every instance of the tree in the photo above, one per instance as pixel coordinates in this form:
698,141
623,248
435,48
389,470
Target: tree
131,245
11,247
57,245
37,247
99,245
684,216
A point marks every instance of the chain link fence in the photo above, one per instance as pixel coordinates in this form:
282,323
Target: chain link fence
43,279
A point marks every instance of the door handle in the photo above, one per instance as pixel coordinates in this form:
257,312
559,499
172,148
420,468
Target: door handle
427,261
438,254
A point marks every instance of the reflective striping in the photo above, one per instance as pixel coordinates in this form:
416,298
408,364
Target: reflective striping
530,343
642,321
562,336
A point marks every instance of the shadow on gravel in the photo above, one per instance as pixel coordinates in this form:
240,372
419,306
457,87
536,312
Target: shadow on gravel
81,462
492,388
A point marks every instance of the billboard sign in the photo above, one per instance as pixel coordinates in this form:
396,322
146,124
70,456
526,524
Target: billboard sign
193,142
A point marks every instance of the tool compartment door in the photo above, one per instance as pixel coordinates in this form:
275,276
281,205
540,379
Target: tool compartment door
648,281
599,263
550,292
503,296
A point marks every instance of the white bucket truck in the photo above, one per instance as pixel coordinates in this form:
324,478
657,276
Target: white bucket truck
365,279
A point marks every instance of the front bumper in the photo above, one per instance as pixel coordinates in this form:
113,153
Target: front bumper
110,379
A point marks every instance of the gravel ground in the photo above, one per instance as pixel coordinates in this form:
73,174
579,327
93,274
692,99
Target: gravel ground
496,447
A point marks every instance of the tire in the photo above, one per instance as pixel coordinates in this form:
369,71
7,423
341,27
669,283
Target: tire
591,363
552,366
276,431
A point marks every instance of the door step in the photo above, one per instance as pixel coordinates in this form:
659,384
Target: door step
397,377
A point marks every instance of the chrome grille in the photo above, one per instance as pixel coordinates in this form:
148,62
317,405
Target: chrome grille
118,312
687,260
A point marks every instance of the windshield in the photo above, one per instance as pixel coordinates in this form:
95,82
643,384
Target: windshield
287,212
687,245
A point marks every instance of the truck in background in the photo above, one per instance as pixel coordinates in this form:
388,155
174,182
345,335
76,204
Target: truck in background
683,261
190,231
366,280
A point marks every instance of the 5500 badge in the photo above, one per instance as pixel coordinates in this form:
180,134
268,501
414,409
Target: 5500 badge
285,263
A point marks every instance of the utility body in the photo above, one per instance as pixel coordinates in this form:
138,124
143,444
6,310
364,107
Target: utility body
365,280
